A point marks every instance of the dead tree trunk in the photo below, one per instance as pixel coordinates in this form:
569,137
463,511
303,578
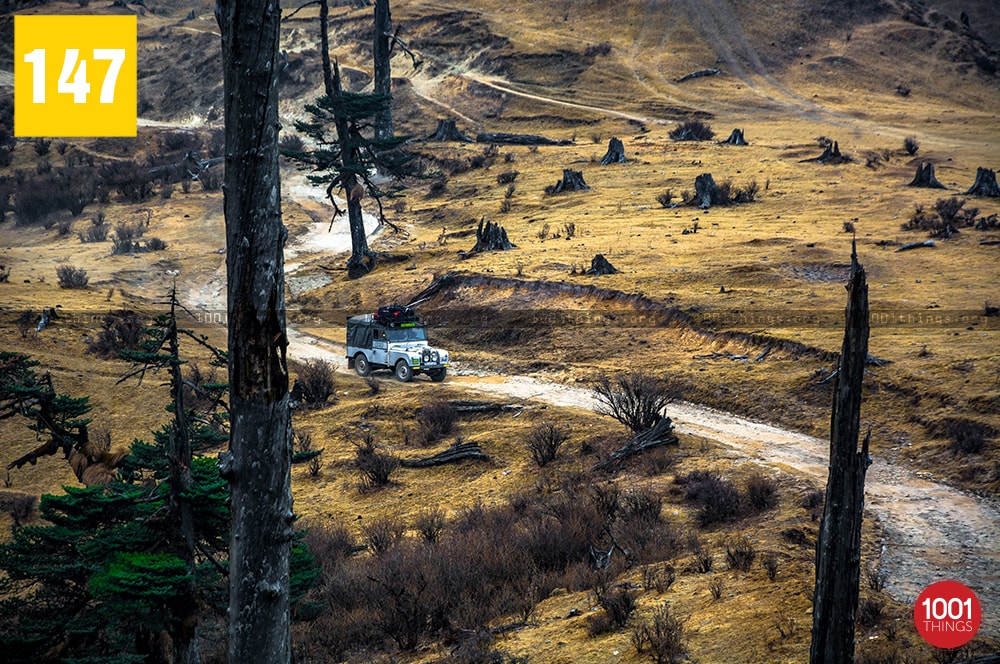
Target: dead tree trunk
447,131
258,463
831,155
736,138
838,550
571,181
661,434
705,190
382,51
600,265
985,184
491,237
615,154
925,177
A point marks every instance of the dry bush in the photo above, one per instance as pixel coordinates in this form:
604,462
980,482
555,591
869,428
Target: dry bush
665,198
692,130
505,206
747,193
18,506
430,524
42,146
544,440
704,561
435,421
716,586
211,179
716,498
875,577
770,564
155,244
618,604
661,638
814,501
507,177
593,50
911,145
314,385
761,492
72,277
870,612
130,179
95,233
291,143
635,399
175,141
125,240
382,534
120,330
879,651
740,553
34,199
376,468
658,578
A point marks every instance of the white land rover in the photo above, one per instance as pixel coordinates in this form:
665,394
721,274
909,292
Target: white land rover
394,338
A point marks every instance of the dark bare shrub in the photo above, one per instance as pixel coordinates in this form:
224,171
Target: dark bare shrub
314,383
507,177
382,534
34,199
211,179
911,145
329,543
634,399
747,193
875,578
761,492
740,553
97,233
155,244
717,499
125,239
436,420
770,564
291,143
717,586
658,578
64,227
72,277
19,507
661,638
618,604
544,441
129,178
430,524
376,468
593,50
665,198
175,141
42,146
870,612
120,331
704,561
692,130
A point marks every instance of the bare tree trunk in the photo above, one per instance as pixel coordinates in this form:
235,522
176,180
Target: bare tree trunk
838,550
258,464
383,73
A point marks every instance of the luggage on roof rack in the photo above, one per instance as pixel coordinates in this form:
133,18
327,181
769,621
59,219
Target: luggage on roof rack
395,314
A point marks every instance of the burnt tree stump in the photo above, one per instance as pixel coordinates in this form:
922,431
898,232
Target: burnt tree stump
491,237
925,177
736,138
571,181
615,154
985,184
705,190
447,132
838,549
600,265
831,155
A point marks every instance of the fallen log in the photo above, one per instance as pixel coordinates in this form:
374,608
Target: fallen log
989,242
464,406
710,71
503,138
454,454
661,434
916,245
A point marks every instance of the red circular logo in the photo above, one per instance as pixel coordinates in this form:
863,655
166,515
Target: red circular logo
947,614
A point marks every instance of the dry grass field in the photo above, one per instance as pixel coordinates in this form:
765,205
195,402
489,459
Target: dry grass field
738,307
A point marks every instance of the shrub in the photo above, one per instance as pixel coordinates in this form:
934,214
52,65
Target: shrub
658,578
42,146
34,199
770,565
314,385
72,277
175,141
911,145
634,399
120,330
124,240
211,179
761,492
717,499
129,178
870,611
507,177
740,554
716,586
376,468
704,561
64,227
435,421
155,244
592,50
291,143
665,198
98,233
692,130
618,604
661,638
382,534
544,441
747,193
19,507
875,577
430,524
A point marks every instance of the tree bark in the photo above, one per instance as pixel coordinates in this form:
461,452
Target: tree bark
382,50
615,153
924,177
838,550
258,463
985,184
705,190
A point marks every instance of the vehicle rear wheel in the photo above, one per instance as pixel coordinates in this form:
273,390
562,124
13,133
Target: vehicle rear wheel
404,372
437,375
361,365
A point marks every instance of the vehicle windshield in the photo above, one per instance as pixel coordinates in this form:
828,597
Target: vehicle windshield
407,334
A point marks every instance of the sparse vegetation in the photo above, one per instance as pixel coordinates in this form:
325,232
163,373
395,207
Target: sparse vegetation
314,385
740,553
635,399
911,145
544,441
435,421
692,130
72,277
661,638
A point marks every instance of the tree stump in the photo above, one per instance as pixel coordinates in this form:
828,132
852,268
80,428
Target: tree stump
615,154
736,138
705,190
447,131
985,184
925,177
600,265
571,181
491,237
831,155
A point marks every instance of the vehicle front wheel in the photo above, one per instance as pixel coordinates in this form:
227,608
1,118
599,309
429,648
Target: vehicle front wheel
404,372
437,375
361,365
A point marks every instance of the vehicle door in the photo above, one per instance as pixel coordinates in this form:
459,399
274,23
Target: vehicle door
380,347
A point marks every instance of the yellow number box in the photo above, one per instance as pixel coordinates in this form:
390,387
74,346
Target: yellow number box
74,76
